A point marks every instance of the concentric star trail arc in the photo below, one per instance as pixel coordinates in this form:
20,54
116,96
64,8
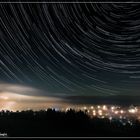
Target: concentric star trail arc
71,48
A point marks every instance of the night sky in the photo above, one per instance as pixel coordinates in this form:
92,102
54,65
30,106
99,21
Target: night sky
70,52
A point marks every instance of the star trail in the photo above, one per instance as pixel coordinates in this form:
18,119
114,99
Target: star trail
71,49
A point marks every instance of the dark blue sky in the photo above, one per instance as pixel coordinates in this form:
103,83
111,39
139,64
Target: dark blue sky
88,49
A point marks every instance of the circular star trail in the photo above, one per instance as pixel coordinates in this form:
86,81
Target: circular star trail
71,48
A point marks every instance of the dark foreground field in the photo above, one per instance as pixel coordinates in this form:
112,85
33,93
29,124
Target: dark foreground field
59,124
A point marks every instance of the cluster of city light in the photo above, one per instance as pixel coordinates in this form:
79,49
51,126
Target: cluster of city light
133,110
109,111
124,114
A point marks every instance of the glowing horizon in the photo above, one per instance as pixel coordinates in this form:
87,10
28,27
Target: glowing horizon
19,99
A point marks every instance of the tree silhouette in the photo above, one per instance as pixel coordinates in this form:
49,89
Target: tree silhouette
56,123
